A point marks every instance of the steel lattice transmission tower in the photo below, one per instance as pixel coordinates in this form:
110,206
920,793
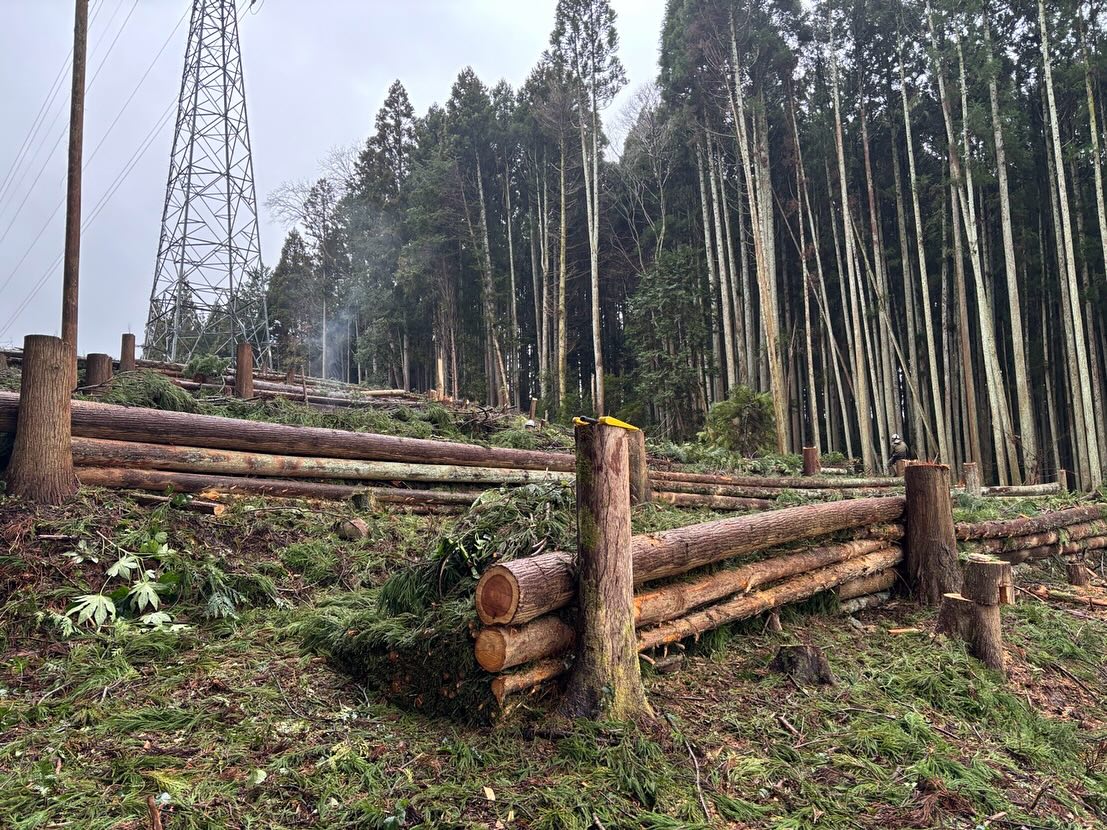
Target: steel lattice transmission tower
209,286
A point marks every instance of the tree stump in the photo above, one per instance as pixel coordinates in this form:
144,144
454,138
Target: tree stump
244,371
1063,480
352,530
41,467
929,541
127,353
98,369
605,680
806,665
901,468
972,479
3,362
812,466
985,581
1077,572
638,461
953,616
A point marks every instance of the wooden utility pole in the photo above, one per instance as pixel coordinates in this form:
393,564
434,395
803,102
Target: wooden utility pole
41,467
606,679
72,262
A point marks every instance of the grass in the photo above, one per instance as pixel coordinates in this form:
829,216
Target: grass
232,725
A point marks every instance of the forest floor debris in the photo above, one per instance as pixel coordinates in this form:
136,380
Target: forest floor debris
225,721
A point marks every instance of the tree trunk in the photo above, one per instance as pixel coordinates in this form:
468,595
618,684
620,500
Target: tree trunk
605,679
930,545
98,369
41,466
1083,397
244,371
127,353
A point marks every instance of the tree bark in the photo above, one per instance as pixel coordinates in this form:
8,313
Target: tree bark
98,369
929,543
984,586
41,466
96,452
710,502
811,466
127,353
605,678
244,371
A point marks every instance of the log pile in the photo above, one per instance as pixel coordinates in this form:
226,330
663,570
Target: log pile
526,604
1059,533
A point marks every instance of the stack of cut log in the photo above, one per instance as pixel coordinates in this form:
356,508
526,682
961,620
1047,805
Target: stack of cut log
1062,533
525,604
145,449
739,492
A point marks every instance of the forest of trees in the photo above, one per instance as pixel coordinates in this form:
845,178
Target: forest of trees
887,214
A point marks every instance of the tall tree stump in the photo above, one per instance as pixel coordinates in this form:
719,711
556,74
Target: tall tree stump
98,369
986,582
812,466
1063,480
640,489
3,362
605,680
973,485
244,371
127,353
929,541
41,467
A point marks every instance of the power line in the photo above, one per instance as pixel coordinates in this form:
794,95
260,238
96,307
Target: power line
62,132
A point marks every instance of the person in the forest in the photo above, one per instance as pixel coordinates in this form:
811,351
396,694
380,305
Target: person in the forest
900,451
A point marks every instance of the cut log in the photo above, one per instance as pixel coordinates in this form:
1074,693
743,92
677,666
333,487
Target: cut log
887,532
811,464
805,664
711,502
527,678
954,616
98,420
505,646
1042,592
1049,489
969,531
539,584
666,602
158,481
792,590
96,452
352,530
782,482
876,583
41,466
748,492
211,508
1072,533
930,546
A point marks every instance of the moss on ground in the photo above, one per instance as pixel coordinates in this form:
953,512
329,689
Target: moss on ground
231,725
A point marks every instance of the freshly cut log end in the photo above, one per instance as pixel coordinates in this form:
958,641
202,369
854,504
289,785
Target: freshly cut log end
497,596
503,647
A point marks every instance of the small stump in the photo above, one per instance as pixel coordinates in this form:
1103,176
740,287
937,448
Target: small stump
806,665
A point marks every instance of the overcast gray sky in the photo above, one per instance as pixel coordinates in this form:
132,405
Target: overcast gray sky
316,73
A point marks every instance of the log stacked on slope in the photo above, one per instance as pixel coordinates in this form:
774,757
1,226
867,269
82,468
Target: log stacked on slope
673,618
524,589
1067,532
